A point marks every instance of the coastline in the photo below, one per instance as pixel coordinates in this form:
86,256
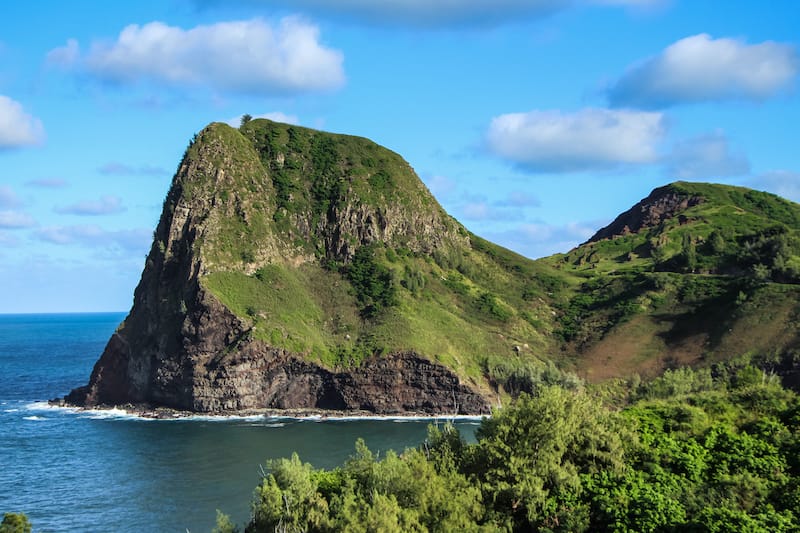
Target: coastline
149,412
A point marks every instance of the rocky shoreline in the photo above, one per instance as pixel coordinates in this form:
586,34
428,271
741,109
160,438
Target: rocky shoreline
168,413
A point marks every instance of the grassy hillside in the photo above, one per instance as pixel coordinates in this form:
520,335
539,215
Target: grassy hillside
716,279
330,246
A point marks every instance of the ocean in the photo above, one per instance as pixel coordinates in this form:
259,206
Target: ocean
84,471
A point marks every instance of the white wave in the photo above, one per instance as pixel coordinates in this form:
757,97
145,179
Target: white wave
34,417
10,410
45,406
114,413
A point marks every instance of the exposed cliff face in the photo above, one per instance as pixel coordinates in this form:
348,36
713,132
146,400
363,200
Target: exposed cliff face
180,347
662,204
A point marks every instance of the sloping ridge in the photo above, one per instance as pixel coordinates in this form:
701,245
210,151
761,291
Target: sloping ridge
660,205
694,274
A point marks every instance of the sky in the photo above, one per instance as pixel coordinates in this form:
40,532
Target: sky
533,122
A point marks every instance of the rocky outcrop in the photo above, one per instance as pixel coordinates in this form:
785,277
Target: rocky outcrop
220,369
662,204
181,348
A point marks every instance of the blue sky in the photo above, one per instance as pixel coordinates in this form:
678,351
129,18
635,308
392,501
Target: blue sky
534,122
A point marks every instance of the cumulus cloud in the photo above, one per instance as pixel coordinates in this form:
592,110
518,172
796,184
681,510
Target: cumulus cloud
589,139
64,56
8,240
785,183
275,116
18,128
705,157
539,239
424,13
47,183
440,186
520,199
477,211
11,219
700,68
509,208
436,14
121,169
249,56
8,198
573,231
106,205
96,237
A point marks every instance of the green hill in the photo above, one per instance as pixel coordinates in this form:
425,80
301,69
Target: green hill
294,268
693,273
367,262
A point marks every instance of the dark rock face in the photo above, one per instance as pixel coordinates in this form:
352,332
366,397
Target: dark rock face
660,205
221,371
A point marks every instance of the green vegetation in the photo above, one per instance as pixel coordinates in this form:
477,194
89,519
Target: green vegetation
373,283
290,244
15,523
683,290
702,451
329,246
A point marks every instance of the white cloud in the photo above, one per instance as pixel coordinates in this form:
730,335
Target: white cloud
440,186
781,182
117,168
8,198
250,56
700,68
275,116
47,183
8,240
18,128
476,211
10,219
106,205
64,56
426,13
547,233
96,237
439,13
589,139
539,239
705,157
520,199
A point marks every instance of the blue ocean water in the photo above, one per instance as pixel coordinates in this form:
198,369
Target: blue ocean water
109,471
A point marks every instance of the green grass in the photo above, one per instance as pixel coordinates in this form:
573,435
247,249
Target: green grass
285,247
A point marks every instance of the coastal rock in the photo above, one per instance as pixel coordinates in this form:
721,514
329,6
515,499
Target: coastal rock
180,347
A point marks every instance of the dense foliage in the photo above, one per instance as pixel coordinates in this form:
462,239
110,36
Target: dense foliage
15,523
372,282
709,450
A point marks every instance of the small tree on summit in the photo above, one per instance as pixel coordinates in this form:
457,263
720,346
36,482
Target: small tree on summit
245,119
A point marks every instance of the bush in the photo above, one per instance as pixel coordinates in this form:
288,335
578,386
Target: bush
372,282
15,523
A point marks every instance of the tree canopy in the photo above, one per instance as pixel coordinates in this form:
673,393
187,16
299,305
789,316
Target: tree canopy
691,451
